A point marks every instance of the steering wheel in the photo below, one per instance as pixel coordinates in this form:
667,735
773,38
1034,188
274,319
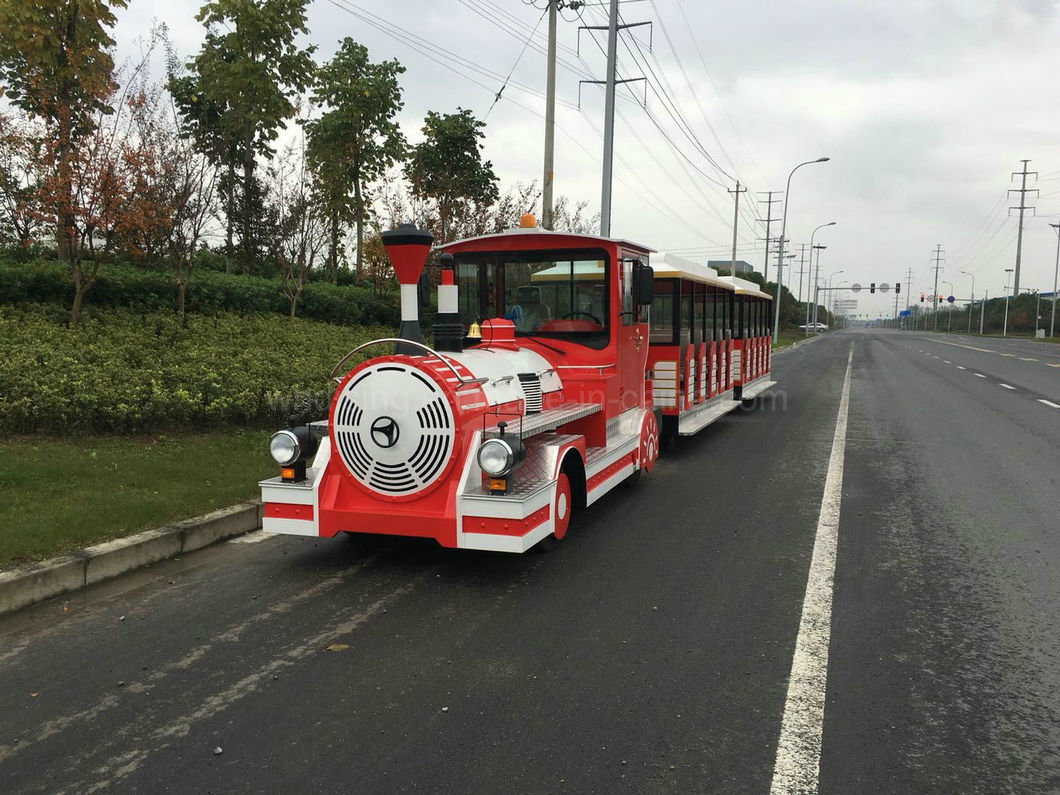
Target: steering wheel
575,312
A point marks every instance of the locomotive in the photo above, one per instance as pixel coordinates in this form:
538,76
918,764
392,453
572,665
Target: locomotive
561,364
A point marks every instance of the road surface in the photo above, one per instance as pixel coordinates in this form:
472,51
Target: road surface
654,649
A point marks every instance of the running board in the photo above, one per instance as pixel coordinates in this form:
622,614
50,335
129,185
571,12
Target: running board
756,388
695,420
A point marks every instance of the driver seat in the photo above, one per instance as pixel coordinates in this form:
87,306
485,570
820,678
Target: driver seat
532,312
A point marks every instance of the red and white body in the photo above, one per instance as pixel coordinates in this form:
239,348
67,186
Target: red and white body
403,432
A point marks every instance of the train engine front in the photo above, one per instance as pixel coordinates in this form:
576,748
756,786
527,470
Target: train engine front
423,441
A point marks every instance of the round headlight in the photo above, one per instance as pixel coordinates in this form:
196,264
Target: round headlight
284,447
495,457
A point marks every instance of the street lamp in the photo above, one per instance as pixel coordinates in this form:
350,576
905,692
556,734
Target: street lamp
972,303
1004,330
780,248
1056,267
816,278
817,282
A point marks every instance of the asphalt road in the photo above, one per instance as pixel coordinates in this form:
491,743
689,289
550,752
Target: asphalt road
649,651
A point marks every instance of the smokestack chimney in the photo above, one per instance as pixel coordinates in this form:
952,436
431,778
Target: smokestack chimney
407,247
448,330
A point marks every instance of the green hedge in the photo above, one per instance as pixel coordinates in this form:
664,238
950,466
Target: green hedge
209,293
126,371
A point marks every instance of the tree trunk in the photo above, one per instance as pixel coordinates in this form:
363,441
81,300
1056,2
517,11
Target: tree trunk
248,210
333,252
293,298
229,215
181,288
81,285
360,212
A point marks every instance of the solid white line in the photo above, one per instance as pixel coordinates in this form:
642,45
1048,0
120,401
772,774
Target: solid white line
1049,403
980,375
798,762
1006,386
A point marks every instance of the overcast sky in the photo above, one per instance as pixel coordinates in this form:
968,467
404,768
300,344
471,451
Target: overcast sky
924,107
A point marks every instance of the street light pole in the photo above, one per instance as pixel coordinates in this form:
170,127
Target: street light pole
780,247
816,278
972,302
1004,329
1056,268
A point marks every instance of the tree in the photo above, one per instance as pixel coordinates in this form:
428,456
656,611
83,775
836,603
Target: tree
242,86
447,167
21,164
355,141
55,65
303,231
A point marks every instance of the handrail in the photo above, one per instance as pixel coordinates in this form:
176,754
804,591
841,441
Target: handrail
396,340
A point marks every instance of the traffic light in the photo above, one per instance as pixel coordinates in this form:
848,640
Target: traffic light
941,299
872,287
921,298
897,287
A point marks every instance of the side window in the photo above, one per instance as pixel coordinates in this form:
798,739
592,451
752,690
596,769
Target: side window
662,313
629,315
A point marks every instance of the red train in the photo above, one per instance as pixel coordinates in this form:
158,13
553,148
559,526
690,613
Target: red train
561,363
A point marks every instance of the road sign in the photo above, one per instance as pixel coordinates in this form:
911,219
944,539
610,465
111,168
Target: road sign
884,287
855,288
904,313
931,298
951,299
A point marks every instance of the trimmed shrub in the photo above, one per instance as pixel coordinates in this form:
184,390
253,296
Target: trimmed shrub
126,371
209,293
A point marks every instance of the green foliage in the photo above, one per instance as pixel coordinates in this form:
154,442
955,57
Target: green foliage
355,141
53,58
130,372
209,293
447,166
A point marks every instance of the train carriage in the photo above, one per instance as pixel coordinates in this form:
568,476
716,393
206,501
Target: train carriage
535,400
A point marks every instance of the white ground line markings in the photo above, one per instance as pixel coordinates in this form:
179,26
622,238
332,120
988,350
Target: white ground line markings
980,375
1006,386
1027,359
945,361
798,762
255,537
1051,364
1049,403
961,368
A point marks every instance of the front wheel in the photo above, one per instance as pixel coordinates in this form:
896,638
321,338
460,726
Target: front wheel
562,506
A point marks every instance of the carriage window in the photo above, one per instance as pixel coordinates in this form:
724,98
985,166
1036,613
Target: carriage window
662,313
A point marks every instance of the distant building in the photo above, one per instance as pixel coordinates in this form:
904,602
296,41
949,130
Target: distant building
720,264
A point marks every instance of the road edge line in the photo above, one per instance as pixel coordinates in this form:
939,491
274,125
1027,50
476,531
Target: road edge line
798,759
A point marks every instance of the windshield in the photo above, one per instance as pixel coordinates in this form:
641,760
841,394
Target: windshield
561,294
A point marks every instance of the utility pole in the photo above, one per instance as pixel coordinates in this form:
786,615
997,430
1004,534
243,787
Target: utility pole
1022,191
908,287
550,118
803,271
735,223
935,295
1056,270
609,120
769,201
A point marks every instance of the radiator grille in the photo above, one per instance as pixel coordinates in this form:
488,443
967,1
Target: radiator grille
532,387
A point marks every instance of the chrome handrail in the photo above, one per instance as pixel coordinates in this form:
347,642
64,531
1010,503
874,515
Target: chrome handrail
431,351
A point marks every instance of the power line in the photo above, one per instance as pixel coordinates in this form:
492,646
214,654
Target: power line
511,71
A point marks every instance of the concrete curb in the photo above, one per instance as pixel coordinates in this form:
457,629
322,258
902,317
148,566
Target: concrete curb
22,587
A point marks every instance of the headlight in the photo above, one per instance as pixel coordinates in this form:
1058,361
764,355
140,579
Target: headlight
284,447
495,456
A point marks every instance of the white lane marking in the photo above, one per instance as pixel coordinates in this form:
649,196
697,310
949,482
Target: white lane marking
980,375
1006,386
945,361
961,368
798,762
255,537
1027,359
1051,364
1049,403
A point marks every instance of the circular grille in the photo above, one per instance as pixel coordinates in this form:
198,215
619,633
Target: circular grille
393,429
